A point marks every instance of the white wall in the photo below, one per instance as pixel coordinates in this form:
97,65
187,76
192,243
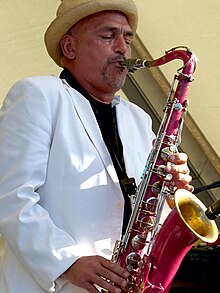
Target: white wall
22,51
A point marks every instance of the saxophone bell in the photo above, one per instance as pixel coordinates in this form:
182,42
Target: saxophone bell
186,224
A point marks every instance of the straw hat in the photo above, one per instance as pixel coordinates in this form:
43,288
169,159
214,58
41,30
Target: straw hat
71,11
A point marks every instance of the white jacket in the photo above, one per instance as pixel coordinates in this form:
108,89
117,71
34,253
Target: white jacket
59,192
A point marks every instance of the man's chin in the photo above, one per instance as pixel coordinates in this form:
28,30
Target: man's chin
117,87
116,77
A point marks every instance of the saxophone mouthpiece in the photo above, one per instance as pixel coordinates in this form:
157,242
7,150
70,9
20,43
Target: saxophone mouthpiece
133,64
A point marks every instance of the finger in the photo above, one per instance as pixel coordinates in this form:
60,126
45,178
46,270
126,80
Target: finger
109,286
188,187
117,269
114,272
113,278
91,280
178,158
183,183
172,168
91,288
182,178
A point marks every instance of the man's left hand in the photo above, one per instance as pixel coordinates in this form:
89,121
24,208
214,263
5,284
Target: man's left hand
177,166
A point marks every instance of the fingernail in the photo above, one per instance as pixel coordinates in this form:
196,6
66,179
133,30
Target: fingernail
126,274
124,284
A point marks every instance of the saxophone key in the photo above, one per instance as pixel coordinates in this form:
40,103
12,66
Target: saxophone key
178,107
138,242
146,223
132,261
150,205
167,151
156,187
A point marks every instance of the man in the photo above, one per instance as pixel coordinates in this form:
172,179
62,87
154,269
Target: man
66,145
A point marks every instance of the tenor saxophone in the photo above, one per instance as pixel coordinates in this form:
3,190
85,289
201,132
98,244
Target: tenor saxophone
152,252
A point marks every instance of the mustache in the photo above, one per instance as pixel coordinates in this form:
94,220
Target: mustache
118,58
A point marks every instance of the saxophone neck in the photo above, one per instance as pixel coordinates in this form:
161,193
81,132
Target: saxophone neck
181,52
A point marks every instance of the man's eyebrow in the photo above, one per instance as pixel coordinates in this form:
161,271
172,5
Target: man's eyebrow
128,33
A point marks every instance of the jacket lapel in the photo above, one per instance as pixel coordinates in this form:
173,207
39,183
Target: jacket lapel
127,137
87,117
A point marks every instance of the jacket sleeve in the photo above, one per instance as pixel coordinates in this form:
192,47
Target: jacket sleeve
25,138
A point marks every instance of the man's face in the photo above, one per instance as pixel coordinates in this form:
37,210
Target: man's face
101,41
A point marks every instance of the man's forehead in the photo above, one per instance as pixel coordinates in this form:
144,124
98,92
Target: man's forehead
105,19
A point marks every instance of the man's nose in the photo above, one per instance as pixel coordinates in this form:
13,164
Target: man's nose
120,45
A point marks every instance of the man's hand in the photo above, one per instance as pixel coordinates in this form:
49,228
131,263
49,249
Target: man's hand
89,271
177,166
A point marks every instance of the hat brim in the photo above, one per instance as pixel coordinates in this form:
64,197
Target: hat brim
61,24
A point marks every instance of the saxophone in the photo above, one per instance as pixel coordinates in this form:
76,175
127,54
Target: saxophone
152,252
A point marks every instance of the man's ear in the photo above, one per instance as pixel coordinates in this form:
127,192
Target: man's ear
67,44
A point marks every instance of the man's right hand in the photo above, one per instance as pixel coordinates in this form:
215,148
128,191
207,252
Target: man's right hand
89,271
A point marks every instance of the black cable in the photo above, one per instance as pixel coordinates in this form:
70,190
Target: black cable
215,184
213,211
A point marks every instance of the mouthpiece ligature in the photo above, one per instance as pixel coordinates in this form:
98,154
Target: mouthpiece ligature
133,64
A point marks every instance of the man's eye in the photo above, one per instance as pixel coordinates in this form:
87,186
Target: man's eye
128,42
106,37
